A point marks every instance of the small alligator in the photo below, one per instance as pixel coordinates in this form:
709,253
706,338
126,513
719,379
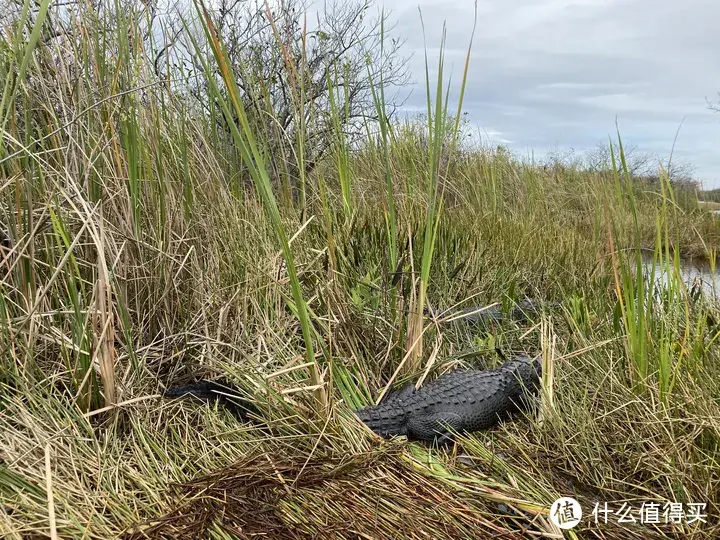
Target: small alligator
458,401
522,311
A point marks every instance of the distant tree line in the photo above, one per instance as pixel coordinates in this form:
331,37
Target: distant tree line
641,165
711,195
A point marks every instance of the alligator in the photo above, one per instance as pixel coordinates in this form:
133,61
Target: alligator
460,401
464,400
521,312
226,394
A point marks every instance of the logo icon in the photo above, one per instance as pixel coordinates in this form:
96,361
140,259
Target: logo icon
566,512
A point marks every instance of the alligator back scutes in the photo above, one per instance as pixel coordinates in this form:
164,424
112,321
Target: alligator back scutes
461,400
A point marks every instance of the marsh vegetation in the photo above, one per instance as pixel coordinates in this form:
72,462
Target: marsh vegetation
165,225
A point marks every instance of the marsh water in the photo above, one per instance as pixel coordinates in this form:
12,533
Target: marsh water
694,274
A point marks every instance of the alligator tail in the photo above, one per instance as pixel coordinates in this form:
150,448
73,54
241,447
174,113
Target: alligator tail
223,393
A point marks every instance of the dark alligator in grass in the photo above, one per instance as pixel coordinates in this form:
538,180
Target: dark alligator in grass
459,401
521,312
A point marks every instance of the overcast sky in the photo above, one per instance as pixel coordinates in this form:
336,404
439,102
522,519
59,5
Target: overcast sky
554,74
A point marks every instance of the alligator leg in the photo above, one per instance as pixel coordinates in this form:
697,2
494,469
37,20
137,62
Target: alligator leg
446,439
440,424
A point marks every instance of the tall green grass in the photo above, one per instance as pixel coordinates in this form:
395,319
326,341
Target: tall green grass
441,144
252,157
665,328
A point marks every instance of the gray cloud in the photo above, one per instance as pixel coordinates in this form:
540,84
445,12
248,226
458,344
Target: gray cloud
549,74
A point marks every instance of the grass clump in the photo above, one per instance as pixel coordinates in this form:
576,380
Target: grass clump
134,258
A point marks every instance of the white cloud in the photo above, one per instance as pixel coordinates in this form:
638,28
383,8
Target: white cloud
556,73
644,103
